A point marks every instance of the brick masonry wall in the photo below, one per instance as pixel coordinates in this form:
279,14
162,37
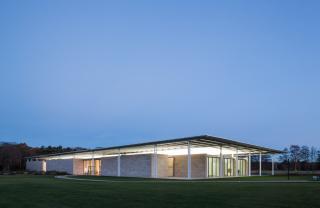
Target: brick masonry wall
162,165
131,166
77,167
198,166
34,165
136,165
109,166
65,165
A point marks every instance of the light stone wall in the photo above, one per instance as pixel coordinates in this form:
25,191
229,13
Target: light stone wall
34,165
162,165
180,166
198,166
131,166
109,166
63,165
142,164
77,167
136,165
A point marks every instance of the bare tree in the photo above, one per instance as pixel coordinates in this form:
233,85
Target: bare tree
305,157
284,156
295,155
313,156
305,153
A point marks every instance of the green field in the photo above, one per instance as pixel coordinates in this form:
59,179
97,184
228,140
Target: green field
46,191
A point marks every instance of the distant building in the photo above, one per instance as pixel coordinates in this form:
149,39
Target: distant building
190,157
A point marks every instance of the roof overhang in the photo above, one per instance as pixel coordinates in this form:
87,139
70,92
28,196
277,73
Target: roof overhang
202,141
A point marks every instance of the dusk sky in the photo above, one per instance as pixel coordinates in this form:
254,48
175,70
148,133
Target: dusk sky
104,73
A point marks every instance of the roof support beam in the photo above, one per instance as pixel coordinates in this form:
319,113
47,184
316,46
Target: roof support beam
237,168
155,161
92,164
221,162
249,164
119,163
260,164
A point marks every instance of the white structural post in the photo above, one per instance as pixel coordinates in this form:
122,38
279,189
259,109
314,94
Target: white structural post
92,164
260,164
221,162
272,161
44,165
237,168
249,164
189,160
207,168
119,163
155,161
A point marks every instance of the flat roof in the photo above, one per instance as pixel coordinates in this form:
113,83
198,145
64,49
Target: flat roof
200,141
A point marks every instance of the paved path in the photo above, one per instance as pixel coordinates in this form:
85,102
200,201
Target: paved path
178,181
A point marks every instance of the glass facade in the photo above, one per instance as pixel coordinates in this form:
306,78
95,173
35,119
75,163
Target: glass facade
213,166
229,167
243,168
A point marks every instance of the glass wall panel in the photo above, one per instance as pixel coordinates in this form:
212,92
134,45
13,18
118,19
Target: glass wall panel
243,167
228,166
213,166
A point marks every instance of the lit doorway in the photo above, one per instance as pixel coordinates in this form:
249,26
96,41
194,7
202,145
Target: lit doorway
170,167
228,167
92,167
243,167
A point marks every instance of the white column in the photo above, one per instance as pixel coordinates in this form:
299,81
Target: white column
260,164
119,163
189,160
237,168
44,166
221,162
207,168
92,164
272,161
249,164
155,161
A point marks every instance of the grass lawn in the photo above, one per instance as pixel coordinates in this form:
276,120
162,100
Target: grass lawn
252,178
46,191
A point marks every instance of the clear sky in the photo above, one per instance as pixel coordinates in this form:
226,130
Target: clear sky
102,73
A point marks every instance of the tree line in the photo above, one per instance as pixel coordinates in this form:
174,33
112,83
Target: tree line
301,157
12,156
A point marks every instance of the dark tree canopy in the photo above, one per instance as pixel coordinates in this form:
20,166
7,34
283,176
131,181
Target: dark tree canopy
12,156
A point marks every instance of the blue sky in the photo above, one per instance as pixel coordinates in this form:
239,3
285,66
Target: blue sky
103,73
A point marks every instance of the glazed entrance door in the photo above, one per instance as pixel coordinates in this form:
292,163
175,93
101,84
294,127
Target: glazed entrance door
243,167
228,167
91,167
